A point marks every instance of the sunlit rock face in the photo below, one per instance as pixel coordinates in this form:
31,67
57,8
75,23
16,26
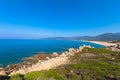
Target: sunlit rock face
2,73
71,49
55,54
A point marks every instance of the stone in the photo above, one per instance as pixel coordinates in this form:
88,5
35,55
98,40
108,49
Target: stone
63,54
113,58
47,58
55,54
71,49
2,73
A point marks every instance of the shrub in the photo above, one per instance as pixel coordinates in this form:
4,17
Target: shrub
43,75
98,51
16,77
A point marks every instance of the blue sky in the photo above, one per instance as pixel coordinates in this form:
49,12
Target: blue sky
48,18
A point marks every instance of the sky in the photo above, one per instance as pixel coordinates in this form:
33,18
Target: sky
36,19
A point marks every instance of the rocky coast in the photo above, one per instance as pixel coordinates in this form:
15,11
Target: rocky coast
42,63
84,63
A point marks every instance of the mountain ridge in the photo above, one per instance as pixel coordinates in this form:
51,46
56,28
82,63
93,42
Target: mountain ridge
101,37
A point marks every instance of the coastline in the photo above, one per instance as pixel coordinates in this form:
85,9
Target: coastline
28,48
48,63
103,43
53,62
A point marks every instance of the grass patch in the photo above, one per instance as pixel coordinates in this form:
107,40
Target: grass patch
17,77
98,50
99,67
44,75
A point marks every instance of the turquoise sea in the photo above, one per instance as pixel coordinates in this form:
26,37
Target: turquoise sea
12,51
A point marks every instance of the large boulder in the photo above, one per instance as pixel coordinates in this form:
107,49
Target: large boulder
71,49
2,73
55,54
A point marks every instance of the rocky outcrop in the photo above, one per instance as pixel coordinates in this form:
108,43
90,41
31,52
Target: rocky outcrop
45,65
48,62
114,47
2,72
54,54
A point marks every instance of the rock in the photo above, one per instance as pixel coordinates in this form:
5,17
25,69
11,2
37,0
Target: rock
63,54
89,46
71,71
113,58
2,73
71,49
55,54
39,61
42,62
47,58
80,49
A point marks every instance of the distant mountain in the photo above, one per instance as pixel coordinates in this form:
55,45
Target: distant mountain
59,38
102,37
117,33
107,36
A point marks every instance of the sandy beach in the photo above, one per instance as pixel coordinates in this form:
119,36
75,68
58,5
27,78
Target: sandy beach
103,43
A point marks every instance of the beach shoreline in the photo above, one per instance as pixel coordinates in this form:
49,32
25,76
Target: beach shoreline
103,43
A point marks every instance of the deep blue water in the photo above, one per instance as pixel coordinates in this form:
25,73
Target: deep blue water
12,51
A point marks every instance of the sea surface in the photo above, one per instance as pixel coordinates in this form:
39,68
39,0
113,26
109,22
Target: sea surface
13,51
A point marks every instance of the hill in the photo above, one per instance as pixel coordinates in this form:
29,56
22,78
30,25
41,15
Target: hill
101,37
107,37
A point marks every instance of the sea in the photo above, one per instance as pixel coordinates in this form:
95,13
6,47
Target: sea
13,51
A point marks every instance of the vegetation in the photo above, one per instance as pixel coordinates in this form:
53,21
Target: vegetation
44,75
99,51
39,75
116,41
94,69
17,77
105,65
